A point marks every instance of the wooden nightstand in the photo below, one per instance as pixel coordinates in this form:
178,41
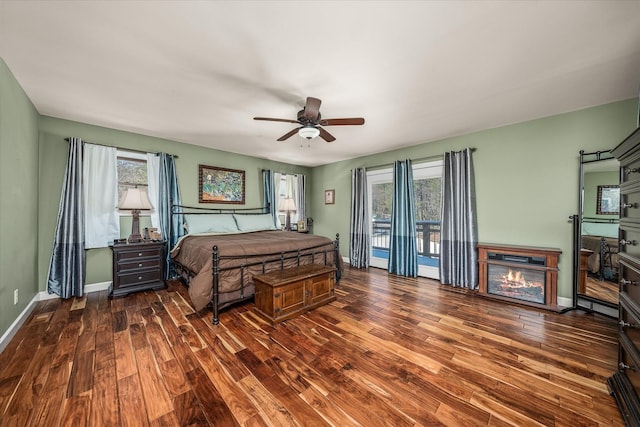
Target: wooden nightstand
137,267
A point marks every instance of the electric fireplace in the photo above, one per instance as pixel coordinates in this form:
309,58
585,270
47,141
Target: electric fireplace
521,274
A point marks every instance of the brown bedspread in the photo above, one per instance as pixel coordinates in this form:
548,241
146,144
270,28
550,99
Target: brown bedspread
195,254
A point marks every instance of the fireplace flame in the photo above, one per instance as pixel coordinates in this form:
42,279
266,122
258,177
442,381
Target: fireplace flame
515,278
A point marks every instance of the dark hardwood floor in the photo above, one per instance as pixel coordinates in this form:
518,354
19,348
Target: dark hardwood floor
602,289
389,352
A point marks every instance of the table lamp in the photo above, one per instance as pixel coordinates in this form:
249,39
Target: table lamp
288,205
135,200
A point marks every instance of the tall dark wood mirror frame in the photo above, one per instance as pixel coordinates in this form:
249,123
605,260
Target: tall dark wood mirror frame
596,238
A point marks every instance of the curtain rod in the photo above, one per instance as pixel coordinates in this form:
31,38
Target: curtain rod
420,159
126,149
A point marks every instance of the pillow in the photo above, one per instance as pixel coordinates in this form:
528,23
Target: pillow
255,222
214,223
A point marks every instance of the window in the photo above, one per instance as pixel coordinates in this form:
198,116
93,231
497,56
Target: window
132,171
286,189
289,186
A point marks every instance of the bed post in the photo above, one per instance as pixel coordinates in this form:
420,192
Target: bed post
336,243
215,285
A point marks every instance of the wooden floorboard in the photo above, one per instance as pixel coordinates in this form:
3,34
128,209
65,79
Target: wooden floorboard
390,351
606,290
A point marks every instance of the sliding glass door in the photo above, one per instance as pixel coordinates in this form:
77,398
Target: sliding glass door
427,189
380,189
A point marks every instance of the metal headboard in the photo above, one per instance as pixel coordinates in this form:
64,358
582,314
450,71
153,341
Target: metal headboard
199,210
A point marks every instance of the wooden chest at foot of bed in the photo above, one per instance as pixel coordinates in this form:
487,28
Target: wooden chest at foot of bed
281,295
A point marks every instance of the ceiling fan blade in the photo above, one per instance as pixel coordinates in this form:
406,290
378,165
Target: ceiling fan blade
326,135
342,122
289,134
312,109
275,120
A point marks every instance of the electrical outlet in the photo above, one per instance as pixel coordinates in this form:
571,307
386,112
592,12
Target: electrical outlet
15,297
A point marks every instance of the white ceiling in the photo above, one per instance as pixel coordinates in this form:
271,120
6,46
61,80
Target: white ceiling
199,71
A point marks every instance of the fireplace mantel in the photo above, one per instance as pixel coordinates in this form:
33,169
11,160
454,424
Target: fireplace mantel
521,274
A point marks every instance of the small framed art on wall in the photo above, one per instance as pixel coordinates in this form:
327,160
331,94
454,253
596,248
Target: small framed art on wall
329,197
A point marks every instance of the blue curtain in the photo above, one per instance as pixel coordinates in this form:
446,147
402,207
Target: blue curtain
359,238
403,252
269,194
169,195
67,264
458,233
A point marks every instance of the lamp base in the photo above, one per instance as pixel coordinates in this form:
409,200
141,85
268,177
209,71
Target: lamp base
287,223
135,236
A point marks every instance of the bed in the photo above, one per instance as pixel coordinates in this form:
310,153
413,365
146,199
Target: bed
600,236
224,248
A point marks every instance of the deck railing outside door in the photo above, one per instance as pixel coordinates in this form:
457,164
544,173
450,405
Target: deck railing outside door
427,236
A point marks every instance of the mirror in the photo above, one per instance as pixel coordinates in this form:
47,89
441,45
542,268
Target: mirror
597,235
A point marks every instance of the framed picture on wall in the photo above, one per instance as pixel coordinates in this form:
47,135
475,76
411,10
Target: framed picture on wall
329,197
608,202
220,185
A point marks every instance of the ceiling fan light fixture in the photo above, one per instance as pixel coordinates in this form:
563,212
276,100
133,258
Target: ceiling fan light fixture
308,132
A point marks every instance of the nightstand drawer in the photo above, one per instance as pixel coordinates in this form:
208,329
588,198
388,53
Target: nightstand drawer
139,277
139,253
141,264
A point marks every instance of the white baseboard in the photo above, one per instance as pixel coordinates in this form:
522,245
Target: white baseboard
41,296
13,329
96,287
565,302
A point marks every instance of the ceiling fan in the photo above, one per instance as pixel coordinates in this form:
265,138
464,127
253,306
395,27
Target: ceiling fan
310,120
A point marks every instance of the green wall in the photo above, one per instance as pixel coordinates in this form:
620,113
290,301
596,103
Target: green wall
526,178
53,152
18,198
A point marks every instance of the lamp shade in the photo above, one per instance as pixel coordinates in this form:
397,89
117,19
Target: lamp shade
135,199
308,132
288,204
